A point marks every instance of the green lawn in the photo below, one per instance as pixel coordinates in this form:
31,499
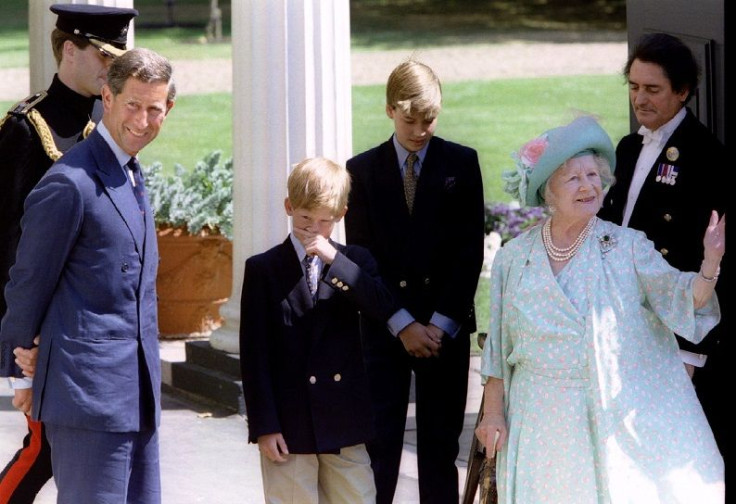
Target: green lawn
495,117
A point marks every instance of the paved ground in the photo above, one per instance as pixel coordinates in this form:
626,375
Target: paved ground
204,456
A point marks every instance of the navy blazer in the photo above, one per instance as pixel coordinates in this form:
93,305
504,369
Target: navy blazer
432,258
675,216
85,280
301,360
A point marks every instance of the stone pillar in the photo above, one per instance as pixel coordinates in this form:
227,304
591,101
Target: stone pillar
291,100
41,22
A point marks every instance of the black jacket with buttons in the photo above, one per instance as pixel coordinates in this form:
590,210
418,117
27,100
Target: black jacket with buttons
431,259
675,215
301,360
24,158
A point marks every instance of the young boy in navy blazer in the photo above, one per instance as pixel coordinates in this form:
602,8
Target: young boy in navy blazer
426,233
306,392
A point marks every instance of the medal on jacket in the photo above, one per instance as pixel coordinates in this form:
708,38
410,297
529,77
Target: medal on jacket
672,154
667,173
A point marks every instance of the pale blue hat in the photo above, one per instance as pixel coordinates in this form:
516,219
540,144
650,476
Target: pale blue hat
538,159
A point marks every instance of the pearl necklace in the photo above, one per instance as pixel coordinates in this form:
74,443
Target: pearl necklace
564,254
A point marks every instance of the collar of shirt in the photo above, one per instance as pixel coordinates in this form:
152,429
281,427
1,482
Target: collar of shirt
301,252
664,132
122,156
644,164
402,154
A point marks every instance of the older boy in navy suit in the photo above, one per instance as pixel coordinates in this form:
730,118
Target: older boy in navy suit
306,392
426,233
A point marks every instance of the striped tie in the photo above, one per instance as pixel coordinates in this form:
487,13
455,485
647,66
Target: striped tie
312,268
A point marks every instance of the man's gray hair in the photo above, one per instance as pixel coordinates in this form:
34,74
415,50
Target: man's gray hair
141,64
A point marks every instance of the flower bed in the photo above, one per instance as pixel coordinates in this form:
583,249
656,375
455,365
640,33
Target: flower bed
509,219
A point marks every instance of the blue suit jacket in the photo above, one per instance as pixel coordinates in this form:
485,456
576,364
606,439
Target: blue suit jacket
85,280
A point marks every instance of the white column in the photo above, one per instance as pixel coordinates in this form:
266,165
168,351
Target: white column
41,22
291,100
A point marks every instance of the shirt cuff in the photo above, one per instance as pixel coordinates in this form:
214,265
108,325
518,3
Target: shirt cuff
445,323
399,321
20,383
697,360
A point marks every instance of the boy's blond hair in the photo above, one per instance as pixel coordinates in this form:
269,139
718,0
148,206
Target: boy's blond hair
413,88
319,183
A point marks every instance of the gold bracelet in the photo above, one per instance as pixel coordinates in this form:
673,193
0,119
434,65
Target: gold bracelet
710,279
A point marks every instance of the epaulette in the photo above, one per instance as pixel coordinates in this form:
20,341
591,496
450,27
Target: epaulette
25,105
44,133
25,108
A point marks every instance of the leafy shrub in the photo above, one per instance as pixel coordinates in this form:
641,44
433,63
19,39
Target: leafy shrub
510,220
200,200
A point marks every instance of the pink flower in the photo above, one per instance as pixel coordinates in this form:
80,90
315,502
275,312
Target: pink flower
530,152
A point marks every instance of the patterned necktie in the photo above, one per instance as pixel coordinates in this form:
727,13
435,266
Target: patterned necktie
139,190
410,181
312,268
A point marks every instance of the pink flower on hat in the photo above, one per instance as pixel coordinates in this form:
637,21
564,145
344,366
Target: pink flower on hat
526,158
531,151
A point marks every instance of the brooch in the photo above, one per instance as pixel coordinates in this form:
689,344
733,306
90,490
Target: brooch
607,242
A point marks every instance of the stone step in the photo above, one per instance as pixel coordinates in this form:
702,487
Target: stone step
202,354
209,384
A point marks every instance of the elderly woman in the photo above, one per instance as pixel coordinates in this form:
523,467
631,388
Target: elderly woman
586,399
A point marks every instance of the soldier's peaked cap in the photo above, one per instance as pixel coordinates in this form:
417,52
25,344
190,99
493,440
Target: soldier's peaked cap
105,27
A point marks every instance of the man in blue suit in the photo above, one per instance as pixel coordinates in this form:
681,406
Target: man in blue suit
33,134
85,281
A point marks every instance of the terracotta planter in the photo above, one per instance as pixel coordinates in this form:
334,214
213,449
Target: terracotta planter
195,278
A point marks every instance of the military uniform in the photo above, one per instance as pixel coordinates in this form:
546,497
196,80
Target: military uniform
33,135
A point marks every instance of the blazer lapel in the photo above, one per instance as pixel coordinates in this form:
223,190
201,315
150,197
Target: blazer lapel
291,278
626,155
432,178
391,186
652,190
117,187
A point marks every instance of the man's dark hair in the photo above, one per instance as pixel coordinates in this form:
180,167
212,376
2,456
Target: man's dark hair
675,58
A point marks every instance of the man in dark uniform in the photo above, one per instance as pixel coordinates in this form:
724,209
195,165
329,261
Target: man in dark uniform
670,175
34,134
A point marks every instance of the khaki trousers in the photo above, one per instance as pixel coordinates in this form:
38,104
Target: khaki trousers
320,479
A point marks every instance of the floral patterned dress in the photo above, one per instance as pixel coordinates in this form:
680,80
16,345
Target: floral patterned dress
598,404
